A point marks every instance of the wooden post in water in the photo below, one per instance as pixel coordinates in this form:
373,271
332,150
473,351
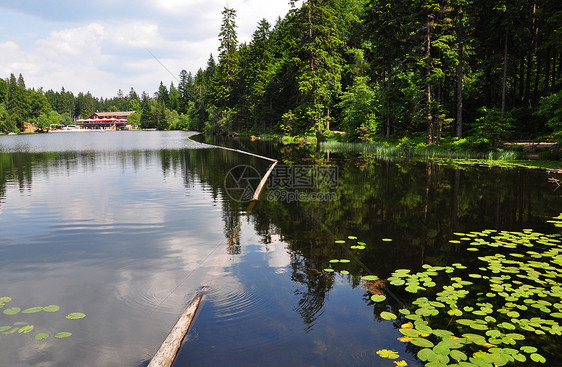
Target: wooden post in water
262,183
168,351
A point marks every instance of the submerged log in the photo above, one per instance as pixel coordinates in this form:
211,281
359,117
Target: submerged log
168,351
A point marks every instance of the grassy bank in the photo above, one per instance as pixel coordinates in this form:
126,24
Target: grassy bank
453,151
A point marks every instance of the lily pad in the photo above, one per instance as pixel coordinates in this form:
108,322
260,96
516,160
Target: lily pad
370,277
421,342
51,308
388,315
75,316
62,335
25,329
458,355
378,297
528,349
427,355
41,336
33,310
386,353
12,311
538,358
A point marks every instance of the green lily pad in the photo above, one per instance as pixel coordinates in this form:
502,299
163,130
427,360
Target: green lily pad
32,310
12,311
421,342
378,297
388,315
41,336
62,334
528,349
25,329
427,355
370,277
75,316
538,358
51,308
412,333
458,355
455,312
386,353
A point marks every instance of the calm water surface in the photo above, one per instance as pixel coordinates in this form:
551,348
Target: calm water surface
126,227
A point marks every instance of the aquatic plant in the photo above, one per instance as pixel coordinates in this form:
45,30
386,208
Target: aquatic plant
22,327
500,310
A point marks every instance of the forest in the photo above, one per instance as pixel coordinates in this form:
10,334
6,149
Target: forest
471,72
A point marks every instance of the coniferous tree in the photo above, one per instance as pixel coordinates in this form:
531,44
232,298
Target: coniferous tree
316,45
226,75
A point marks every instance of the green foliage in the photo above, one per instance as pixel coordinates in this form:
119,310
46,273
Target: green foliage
508,301
43,123
550,108
368,67
220,120
360,109
182,122
134,119
7,124
492,126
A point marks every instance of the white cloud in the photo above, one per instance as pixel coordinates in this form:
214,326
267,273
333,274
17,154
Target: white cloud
107,51
74,42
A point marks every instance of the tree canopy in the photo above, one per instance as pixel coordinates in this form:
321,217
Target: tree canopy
371,68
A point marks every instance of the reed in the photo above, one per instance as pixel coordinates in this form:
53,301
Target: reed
387,151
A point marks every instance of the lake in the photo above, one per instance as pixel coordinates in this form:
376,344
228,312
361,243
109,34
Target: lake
127,227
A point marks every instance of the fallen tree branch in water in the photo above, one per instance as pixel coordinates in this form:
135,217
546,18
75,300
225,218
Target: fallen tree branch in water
168,351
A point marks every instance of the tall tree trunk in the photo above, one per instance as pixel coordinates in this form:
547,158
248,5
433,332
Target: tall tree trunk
530,56
537,77
522,79
559,66
388,110
431,128
386,100
488,85
459,88
528,77
554,69
504,84
547,72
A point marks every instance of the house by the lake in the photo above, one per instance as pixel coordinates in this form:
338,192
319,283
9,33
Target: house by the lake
105,121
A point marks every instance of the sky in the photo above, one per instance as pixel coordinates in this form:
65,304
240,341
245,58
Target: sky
105,45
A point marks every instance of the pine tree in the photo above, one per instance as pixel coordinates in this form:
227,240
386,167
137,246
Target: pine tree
228,68
316,45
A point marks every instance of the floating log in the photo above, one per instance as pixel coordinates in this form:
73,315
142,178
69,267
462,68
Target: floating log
262,183
168,351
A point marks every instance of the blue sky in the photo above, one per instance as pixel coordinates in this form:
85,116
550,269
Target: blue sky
103,46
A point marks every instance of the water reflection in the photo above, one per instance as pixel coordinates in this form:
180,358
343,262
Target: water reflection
128,234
